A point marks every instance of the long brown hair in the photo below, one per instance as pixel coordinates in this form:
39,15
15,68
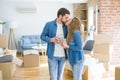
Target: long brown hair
74,25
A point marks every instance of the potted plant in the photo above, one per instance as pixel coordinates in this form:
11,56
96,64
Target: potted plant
1,26
2,22
38,43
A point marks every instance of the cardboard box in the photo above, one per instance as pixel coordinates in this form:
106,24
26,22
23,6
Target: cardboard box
105,59
8,69
3,41
102,57
1,75
117,73
103,48
103,53
103,38
31,60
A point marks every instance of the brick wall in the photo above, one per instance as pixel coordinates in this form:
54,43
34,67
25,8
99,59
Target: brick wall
109,23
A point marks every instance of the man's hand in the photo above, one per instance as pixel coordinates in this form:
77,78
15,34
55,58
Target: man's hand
53,40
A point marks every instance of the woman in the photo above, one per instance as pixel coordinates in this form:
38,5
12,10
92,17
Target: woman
74,46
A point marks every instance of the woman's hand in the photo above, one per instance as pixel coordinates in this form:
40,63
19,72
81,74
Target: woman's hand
64,44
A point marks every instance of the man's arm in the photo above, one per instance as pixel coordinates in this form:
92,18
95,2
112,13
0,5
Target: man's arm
45,35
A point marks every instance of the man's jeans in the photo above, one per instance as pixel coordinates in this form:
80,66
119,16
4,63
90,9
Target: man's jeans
77,70
56,67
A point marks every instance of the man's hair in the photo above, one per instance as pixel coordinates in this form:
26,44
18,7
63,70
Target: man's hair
62,11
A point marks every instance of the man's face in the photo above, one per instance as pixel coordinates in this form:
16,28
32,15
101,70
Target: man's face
68,22
65,18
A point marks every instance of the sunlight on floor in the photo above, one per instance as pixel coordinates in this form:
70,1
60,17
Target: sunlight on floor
44,65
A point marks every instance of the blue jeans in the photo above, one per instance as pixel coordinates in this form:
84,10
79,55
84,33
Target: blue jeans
77,70
56,67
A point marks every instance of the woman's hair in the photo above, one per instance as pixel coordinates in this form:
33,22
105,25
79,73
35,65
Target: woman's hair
74,25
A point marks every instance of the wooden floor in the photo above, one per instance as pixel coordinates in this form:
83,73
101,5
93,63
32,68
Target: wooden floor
42,73
37,73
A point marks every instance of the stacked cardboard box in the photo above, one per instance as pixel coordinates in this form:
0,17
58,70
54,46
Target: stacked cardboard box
0,75
103,39
31,60
8,69
103,49
117,73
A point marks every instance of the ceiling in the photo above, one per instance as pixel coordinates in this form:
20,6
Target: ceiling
64,1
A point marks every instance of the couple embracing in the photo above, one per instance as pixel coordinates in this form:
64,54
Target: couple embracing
64,40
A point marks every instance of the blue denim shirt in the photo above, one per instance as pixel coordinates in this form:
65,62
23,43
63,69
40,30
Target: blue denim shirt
75,51
49,32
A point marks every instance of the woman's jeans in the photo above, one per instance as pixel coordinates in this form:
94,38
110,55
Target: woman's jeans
77,70
56,67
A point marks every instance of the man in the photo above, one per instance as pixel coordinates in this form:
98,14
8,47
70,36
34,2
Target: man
53,32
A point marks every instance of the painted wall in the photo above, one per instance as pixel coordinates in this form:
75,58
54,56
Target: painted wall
29,23
109,23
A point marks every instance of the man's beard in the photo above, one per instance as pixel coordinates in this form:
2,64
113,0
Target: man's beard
62,21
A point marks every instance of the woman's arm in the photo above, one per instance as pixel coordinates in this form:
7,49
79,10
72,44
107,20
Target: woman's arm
77,40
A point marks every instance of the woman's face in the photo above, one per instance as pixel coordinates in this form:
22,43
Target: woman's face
68,22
